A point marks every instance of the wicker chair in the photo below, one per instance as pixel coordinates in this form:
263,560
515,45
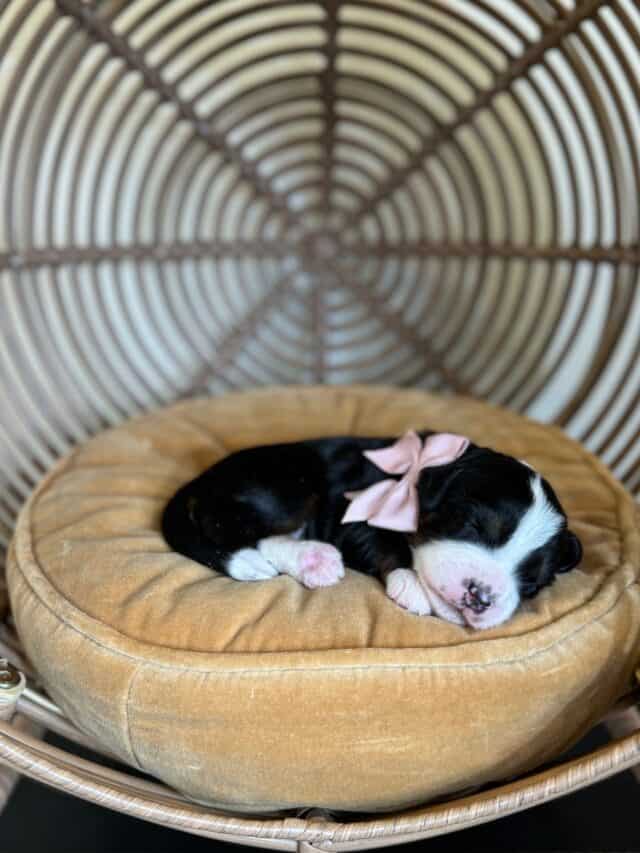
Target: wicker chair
203,196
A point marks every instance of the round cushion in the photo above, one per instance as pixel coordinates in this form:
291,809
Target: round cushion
256,696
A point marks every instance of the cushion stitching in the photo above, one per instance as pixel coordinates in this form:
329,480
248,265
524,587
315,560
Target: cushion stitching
127,717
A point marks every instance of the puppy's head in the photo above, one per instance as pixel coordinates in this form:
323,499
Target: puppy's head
491,531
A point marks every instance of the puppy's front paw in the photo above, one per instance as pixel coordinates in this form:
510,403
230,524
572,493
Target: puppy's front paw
319,564
404,587
248,564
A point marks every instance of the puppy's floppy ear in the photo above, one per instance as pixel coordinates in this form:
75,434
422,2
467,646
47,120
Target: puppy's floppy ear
569,551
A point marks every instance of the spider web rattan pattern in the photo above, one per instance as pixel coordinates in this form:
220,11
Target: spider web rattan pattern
198,197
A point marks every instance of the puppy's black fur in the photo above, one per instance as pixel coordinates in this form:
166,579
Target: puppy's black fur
282,488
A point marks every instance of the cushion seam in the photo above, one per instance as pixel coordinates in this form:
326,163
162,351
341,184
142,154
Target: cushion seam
127,719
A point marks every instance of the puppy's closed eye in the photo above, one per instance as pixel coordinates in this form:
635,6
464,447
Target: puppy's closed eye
492,527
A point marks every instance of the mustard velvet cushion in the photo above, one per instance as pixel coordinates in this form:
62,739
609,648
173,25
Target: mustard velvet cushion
267,695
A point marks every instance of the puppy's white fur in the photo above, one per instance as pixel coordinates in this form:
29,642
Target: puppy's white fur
248,564
404,587
312,563
447,565
539,523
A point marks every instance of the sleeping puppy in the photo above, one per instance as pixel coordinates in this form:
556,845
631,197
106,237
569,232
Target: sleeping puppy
460,531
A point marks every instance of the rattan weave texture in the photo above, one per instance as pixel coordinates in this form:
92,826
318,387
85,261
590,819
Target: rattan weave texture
205,196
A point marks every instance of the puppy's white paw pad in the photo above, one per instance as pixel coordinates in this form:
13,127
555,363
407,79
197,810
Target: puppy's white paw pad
248,564
319,564
403,587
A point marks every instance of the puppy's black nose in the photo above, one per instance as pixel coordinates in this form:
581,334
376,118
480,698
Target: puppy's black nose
478,596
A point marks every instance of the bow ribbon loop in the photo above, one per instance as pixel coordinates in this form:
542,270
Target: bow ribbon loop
393,504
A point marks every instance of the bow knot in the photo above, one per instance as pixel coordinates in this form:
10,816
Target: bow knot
393,504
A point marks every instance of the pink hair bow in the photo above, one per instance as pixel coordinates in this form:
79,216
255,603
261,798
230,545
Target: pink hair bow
393,504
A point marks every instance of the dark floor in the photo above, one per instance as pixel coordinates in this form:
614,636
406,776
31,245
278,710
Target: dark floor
604,817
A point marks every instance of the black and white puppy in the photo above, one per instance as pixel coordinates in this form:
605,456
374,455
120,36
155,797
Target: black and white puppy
490,530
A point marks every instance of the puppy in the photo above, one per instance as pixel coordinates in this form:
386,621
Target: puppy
460,531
